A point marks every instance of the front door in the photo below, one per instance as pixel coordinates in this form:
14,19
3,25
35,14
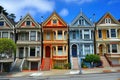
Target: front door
101,50
21,52
47,50
74,51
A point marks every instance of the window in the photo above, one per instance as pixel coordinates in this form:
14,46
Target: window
48,36
80,34
86,34
100,33
107,33
59,35
5,34
87,49
113,33
33,36
60,50
28,23
38,36
54,21
74,35
32,51
114,48
108,20
81,21
1,23
38,51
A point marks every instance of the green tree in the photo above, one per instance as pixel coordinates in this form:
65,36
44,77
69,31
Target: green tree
3,11
92,58
7,46
12,16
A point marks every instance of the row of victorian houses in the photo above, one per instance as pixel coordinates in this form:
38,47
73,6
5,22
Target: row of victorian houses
53,43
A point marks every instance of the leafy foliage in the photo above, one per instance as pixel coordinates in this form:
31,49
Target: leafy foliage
7,46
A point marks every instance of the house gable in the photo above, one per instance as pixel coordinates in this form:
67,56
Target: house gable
27,22
107,19
81,20
54,21
6,23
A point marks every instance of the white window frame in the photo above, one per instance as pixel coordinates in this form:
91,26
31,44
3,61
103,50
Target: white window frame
108,20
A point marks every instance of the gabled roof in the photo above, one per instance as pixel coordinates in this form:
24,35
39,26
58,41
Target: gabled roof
24,19
10,22
49,18
78,16
103,17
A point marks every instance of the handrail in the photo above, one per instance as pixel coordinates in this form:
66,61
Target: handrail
108,60
13,64
21,66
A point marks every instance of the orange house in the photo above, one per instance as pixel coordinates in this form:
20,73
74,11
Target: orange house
55,42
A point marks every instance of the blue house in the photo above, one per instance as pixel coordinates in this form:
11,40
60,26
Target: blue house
81,36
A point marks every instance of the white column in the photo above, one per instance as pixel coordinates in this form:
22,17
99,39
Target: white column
63,50
90,33
63,36
56,34
29,51
110,48
116,34
24,52
82,34
91,49
36,35
29,35
56,50
78,51
110,33
8,34
36,51
17,52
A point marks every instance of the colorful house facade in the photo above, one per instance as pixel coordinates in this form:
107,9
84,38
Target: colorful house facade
81,38
108,38
28,53
55,42
6,31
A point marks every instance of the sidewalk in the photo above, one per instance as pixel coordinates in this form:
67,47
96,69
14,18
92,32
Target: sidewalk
54,72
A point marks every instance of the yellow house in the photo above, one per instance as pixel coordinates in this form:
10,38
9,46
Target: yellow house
108,39
55,42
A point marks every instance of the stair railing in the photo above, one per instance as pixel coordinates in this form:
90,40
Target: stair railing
13,64
21,66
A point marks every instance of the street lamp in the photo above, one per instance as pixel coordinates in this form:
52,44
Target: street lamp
80,68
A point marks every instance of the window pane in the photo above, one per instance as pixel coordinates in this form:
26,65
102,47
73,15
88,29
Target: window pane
113,33
60,50
108,46
5,34
1,23
59,35
114,48
33,35
54,21
28,23
74,35
108,33
100,33
87,48
48,36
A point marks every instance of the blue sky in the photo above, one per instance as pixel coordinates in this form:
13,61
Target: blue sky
67,9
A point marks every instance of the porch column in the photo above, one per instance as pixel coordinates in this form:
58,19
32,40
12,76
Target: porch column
17,53
51,52
24,52
78,51
56,35
90,33
36,51
63,49
63,35
56,50
29,35
110,48
36,35
82,34
8,34
28,51
90,48
44,52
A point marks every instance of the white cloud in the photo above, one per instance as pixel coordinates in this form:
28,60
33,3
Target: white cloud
64,12
79,1
21,7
